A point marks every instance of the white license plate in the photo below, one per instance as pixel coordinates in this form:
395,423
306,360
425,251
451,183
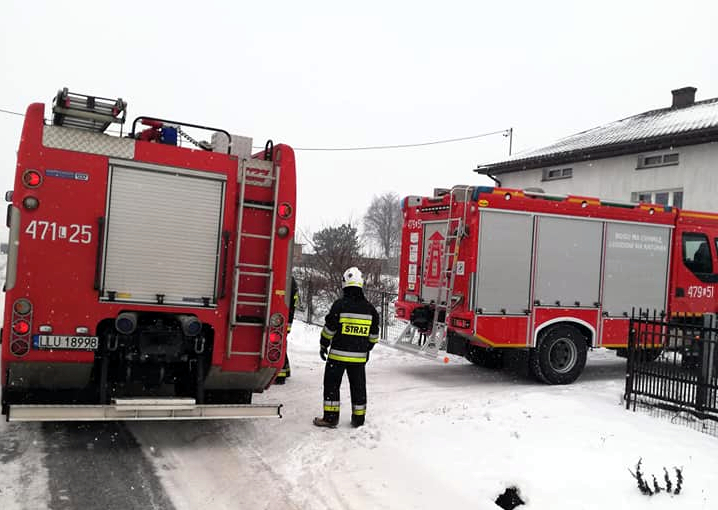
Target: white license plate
86,343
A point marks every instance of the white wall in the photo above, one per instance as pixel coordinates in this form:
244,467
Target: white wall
615,178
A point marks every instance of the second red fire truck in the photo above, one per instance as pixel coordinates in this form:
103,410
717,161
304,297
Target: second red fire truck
489,269
148,273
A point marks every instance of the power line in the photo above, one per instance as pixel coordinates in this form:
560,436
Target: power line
505,132
401,146
12,113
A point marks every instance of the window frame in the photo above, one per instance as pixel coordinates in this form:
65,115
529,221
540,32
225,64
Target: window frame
705,277
636,196
641,163
563,173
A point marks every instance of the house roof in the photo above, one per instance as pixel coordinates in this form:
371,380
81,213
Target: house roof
652,130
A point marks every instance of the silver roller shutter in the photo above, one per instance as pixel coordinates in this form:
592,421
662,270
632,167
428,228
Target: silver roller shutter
162,234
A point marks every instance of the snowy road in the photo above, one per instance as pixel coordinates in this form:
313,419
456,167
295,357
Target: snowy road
437,436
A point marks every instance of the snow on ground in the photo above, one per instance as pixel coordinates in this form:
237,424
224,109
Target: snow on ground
437,435
23,476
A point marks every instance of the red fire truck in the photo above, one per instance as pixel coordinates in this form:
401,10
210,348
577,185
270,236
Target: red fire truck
148,275
487,269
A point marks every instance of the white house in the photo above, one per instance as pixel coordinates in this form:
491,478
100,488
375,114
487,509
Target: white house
667,156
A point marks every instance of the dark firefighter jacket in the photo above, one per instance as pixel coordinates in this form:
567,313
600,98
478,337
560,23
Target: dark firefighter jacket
351,328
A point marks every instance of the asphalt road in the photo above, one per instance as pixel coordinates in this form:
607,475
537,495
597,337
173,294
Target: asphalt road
76,465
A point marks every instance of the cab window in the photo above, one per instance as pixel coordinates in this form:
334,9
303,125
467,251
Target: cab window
697,254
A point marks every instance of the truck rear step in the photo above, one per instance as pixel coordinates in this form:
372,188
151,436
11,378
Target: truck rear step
142,409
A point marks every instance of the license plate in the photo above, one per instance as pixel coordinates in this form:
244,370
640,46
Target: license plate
85,343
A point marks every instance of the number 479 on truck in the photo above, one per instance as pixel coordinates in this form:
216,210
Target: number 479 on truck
485,270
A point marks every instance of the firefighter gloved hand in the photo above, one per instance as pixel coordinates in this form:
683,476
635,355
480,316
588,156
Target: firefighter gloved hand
323,353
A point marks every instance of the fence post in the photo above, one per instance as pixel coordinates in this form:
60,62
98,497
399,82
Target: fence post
706,357
384,322
629,362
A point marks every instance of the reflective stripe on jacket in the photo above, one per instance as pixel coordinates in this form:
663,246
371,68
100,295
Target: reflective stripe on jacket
351,328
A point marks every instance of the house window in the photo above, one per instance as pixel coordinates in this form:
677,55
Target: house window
672,197
557,173
655,160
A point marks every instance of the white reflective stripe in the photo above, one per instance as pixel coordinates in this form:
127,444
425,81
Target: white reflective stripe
356,316
374,335
358,407
328,331
331,402
348,354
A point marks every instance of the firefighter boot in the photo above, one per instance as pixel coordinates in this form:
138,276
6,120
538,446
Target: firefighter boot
321,422
357,420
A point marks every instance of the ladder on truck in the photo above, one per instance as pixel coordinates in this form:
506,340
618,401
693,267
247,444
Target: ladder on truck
91,113
436,340
264,173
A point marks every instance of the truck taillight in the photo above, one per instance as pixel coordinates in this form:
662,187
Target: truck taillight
22,306
30,203
274,349
284,210
461,323
276,320
31,178
21,327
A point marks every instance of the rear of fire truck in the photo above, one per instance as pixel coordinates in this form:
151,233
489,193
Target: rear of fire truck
148,274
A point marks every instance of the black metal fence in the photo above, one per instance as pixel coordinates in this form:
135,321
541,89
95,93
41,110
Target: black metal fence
312,309
673,363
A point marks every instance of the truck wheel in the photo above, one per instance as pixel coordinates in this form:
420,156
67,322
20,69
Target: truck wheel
560,355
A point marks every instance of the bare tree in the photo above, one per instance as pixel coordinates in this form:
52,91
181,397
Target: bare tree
337,248
382,223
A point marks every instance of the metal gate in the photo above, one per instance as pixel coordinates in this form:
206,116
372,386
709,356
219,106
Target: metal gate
673,363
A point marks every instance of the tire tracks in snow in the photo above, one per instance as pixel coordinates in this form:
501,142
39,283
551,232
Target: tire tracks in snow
216,464
99,465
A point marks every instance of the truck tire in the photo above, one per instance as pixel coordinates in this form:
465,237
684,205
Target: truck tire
560,355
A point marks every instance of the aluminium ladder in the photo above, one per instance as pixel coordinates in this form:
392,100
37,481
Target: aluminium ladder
455,228
262,173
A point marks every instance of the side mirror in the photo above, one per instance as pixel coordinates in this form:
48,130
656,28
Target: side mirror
8,196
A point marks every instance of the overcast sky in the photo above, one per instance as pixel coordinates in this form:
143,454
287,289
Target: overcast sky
342,74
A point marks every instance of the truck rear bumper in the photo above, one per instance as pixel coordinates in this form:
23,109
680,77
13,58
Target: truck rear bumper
142,409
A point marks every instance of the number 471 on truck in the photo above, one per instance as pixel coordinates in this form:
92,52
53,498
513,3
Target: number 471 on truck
148,275
485,270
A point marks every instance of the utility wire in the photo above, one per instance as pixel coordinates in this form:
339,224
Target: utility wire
401,146
12,113
362,148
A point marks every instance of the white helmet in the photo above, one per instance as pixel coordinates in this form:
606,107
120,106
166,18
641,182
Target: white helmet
352,277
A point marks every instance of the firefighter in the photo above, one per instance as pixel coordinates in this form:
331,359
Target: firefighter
351,329
294,301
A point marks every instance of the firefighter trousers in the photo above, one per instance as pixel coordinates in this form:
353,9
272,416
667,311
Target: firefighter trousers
333,373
